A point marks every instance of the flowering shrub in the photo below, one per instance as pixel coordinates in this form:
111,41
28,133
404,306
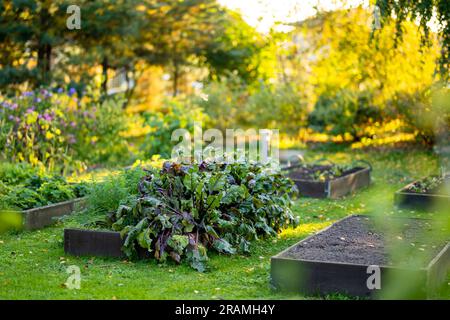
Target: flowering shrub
58,129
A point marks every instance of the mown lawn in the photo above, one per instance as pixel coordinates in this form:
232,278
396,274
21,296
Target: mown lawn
33,264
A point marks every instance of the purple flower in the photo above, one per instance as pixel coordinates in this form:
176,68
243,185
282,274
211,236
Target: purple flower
11,117
30,110
73,124
48,117
72,91
13,106
46,93
28,94
17,119
38,100
60,90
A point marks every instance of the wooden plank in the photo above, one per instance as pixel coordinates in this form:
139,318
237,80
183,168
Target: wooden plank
41,217
342,186
313,189
325,278
335,188
403,198
93,243
438,270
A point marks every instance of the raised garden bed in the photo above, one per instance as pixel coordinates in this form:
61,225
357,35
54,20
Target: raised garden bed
336,260
41,217
425,194
182,211
318,181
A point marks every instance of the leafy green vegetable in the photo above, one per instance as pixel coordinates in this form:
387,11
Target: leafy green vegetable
24,187
181,211
428,184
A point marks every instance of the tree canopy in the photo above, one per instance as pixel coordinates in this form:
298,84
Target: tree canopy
38,49
424,11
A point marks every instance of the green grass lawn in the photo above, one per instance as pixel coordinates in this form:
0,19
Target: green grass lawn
33,264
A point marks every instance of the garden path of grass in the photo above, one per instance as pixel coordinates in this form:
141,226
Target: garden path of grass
33,264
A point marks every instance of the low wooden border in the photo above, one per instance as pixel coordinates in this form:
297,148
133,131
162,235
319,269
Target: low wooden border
422,201
322,277
335,188
79,242
41,217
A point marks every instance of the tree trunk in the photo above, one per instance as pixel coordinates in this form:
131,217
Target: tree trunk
176,75
44,51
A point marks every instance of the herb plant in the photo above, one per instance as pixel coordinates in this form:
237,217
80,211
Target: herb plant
428,184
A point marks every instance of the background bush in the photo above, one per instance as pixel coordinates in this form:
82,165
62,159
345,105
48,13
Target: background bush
175,114
61,130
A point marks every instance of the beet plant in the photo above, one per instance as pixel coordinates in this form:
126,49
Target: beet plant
184,210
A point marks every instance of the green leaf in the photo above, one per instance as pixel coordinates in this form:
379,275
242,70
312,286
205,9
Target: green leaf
216,183
223,246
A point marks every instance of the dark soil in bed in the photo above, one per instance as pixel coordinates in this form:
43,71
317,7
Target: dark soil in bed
357,240
307,172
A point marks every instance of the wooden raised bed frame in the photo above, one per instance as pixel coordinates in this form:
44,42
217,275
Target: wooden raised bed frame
334,188
79,242
326,277
423,201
